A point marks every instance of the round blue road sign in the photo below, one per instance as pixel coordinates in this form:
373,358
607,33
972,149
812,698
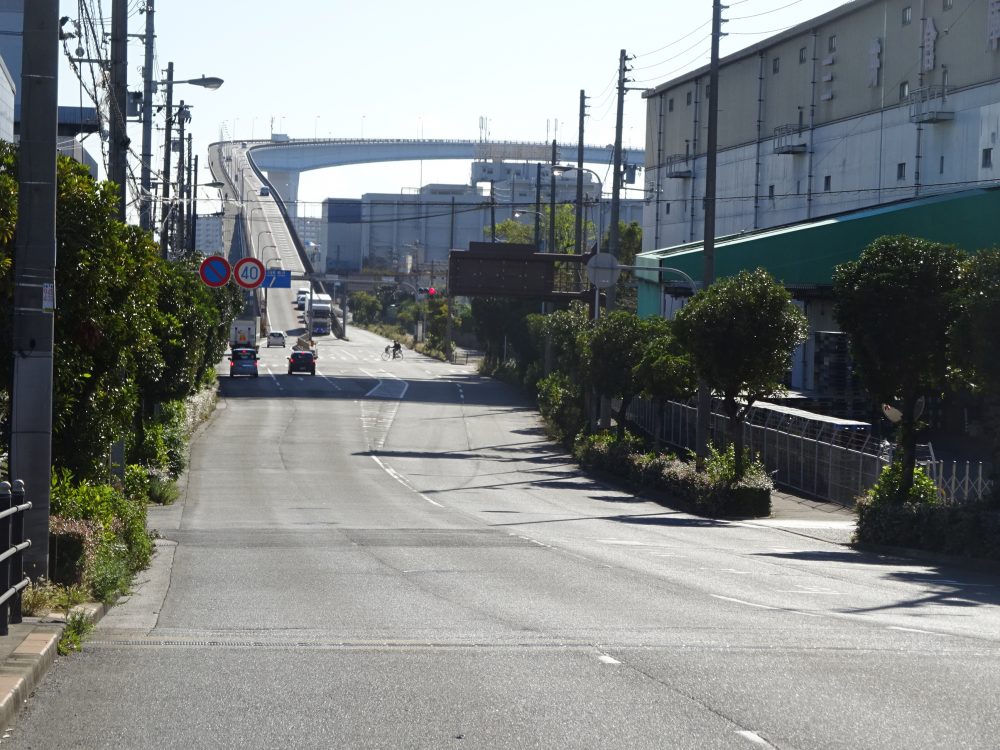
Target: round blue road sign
215,270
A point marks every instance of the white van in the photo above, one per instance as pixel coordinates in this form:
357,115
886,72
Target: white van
300,297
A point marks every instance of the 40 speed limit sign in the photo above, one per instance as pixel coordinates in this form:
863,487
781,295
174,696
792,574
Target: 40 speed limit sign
249,273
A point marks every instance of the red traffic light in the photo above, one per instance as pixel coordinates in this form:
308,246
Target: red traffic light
431,291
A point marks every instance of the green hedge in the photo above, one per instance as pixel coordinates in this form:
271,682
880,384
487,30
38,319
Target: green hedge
714,494
971,530
921,521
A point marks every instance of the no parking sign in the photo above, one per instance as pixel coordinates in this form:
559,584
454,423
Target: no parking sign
215,271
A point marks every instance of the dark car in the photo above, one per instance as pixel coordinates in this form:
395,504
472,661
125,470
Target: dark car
302,362
243,362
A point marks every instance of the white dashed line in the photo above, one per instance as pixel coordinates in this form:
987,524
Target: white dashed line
754,738
608,659
402,480
741,601
911,630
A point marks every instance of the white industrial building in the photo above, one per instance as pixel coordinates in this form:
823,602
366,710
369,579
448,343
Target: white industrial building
414,230
873,102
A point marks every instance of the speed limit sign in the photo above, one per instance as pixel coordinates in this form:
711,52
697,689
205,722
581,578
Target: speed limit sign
249,273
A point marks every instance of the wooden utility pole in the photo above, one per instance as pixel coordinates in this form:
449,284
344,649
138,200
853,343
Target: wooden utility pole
616,179
118,135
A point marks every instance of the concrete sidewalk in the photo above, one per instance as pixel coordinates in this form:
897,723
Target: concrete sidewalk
27,652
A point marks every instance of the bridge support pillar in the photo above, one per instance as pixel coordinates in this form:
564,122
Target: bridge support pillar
287,185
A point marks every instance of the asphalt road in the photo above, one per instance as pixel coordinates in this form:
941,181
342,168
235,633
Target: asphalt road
391,555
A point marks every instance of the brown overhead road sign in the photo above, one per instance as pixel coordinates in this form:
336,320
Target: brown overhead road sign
505,269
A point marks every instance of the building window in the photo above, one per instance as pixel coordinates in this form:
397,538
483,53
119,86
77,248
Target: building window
775,64
802,55
670,105
831,43
946,4
987,158
770,192
666,209
901,170
798,187
689,98
800,118
708,91
907,15
941,164
904,90
827,184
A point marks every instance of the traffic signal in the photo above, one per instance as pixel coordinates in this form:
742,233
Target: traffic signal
431,291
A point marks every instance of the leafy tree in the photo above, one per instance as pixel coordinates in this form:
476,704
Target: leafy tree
897,303
512,230
500,325
615,345
976,333
365,307
740,333
665,371
562,330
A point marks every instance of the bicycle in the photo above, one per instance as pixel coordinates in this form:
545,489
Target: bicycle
388,354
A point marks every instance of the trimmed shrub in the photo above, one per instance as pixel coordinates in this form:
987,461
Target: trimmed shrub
560,401
886,488
72,548
971,530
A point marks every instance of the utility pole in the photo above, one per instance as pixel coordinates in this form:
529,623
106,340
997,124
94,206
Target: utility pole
118,136
538,204
148,84
193,221
165,191
704,417
616,180
552,200
34,277
579,176
180,214
189,195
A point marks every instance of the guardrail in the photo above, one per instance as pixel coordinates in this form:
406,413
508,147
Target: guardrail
13,544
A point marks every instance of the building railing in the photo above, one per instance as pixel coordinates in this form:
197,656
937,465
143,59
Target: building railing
788,139
822,460
929,104
677,165
12,546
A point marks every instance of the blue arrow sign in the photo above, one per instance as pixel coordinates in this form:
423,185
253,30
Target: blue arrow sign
275,278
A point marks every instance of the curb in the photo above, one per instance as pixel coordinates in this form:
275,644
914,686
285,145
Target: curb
973,563
25,666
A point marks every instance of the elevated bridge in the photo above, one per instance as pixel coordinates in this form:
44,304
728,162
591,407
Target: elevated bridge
284,161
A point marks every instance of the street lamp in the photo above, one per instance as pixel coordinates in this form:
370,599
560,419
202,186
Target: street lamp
259,235
268,265
560,169
145,205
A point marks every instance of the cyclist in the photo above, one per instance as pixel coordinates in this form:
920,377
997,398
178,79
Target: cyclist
397,350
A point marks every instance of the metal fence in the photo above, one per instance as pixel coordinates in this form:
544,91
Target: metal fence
821,458
12,544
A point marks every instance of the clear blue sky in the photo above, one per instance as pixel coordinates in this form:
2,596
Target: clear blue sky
437,69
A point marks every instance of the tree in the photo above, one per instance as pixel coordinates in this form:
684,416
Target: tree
665,371
365,307
897,303
512,230
975,337
614,346
740,333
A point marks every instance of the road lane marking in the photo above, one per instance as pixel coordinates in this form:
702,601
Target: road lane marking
741,601
911,630
607,659
754,738
328,380
402,480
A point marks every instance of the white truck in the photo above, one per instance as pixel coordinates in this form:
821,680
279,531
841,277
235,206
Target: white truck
319,313
243,334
